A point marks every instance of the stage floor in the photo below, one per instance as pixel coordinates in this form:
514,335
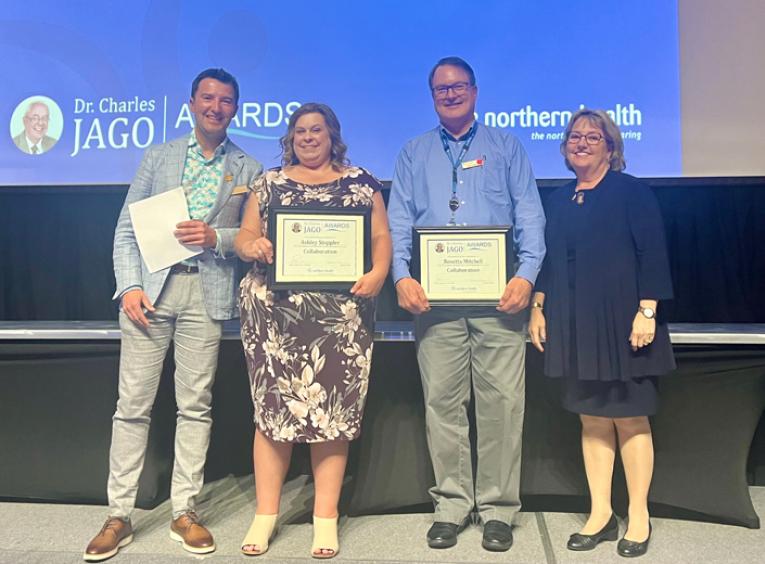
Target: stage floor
58,534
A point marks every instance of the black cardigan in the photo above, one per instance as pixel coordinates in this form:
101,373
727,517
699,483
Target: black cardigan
621,258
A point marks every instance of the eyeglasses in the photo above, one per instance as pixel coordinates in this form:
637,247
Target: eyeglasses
38,119
459,88
590,138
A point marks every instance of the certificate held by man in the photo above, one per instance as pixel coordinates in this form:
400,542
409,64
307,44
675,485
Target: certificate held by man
154,220
467,266
317,249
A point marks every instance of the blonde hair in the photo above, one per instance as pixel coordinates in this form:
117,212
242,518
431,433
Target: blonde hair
611,134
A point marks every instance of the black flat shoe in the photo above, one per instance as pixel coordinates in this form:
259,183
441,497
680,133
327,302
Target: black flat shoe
497,536
609,532
631,549
444,535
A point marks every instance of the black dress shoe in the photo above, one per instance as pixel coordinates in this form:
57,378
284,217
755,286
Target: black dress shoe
609,532
630,549
497,536
444,535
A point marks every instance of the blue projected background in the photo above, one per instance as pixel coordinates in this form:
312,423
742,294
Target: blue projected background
120,73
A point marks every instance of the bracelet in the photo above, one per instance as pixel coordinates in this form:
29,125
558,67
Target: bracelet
537,305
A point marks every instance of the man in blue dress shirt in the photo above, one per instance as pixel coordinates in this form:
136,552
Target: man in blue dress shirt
466,174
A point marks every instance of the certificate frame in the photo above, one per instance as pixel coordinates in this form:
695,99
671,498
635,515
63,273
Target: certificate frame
353,228
474,251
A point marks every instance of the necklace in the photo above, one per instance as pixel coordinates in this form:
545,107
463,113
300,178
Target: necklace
579,193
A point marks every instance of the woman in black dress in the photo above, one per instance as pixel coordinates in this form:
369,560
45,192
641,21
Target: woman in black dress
594,309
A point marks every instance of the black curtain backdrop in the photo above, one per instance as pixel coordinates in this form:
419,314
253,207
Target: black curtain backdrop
58,398
56,244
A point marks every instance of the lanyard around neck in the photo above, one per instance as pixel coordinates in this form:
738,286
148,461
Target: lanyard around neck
468,140
454,201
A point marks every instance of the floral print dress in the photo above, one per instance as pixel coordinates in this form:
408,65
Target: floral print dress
308,353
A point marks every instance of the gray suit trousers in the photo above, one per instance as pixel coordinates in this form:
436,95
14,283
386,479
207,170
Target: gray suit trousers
486,355
180,317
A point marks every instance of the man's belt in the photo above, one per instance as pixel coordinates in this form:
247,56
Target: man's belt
184,269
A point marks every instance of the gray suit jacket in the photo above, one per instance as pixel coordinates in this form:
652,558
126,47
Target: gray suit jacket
46,143
162,170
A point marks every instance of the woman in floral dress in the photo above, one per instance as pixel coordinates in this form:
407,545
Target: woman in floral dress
308,353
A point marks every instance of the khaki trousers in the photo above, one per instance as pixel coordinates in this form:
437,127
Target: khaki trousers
485,355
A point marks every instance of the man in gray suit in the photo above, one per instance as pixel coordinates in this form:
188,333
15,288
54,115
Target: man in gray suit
35,140
185,303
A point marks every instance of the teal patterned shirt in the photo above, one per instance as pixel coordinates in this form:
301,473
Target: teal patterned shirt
201,180
201,177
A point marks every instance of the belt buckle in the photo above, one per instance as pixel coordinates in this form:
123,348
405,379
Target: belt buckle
181,268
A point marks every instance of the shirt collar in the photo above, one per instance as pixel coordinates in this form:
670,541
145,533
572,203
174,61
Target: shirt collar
31,143
463,137
219,150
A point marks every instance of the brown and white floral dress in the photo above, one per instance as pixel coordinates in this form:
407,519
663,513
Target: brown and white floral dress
308,353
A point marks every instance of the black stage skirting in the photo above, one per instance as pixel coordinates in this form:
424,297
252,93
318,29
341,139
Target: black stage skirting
58,397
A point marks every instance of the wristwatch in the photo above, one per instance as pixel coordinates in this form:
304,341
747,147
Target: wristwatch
648,312
536,305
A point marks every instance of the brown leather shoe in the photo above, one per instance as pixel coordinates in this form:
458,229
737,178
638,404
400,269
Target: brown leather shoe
192,535
115,534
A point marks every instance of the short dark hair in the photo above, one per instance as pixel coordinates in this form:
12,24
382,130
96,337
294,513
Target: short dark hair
221,76
454,62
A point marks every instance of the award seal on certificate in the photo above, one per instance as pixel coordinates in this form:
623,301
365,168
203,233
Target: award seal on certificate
462,266
318,249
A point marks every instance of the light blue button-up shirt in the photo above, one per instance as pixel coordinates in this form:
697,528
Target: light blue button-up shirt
502,191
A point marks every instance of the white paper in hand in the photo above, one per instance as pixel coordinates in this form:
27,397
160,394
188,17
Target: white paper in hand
154,220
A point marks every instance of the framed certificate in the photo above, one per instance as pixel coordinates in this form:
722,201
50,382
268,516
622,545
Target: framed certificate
462,266
318,249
